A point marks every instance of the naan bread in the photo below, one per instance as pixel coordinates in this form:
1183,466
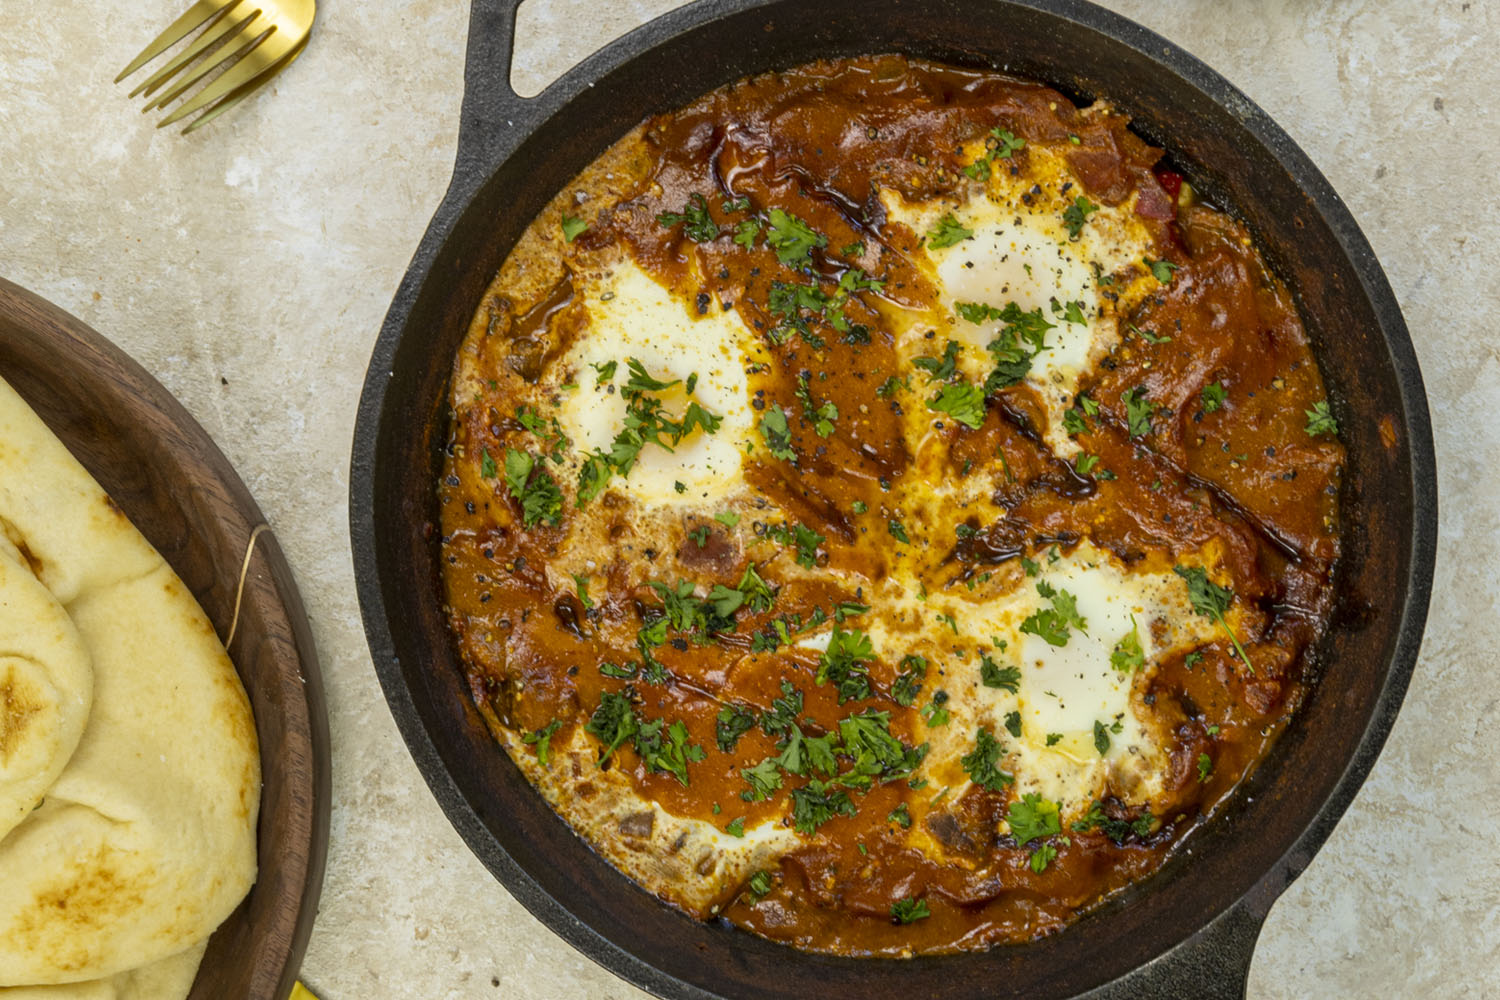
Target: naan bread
146,840
46,687
164,980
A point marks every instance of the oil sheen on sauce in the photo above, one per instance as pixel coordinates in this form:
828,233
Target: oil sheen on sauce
885,508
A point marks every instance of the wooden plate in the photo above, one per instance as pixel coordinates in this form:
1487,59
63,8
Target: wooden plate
163,470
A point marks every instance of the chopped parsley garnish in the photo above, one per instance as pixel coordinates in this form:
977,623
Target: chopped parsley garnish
736,827
983,763
1003,147
901,816
806,540
992,675
1211,601
645,423
697,224
908,683
1213,396
615,670
487,468
1138,411
909,911
1127,656
1101,738
1117,830
760,883
1052,624
1085,463
581,583
764,780
572,226
700,534
1071,312
784,711
535,488
606,372
822,415
1076,214
1013,724
542,738
791,238
1032,818
976,312
940,368
777,435
890,385
1053,739
1148,335
613,722
816,803
1161,269
898,531
855,249
948,232
1320,420
1074,423
845,663
1205,767
732,723
746,232
935,714
961,401
859,507
1043,856
727,518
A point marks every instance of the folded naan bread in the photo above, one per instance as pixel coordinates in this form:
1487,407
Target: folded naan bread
165,980
46,687
145,840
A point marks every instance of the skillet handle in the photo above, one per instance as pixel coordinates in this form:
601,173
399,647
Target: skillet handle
493,112
1213,964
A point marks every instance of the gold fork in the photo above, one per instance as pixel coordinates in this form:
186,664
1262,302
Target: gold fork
249,40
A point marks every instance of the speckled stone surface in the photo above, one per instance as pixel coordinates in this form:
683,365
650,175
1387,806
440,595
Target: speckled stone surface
249,265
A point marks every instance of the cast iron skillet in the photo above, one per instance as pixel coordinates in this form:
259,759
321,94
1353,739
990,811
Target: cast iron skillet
1188,931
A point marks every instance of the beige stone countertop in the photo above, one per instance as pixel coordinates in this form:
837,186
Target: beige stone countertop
248,266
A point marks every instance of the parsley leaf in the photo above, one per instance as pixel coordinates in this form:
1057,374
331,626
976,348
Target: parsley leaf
1043,856
1128,654
1320,420
816,803
698,225
846,664
537,491
736,827
1052,624
791,238
1101,738
764,780
948,232
1213,396
908,683
1076,214
1161,269
806,540
992,675
613,722
898,531
732,723
777,434
943,368
1205,767
901,816
1013,724
1211,601
487,467
572,227
909,911
982,764
962,401
542,738
760,883
746,232
976,312
1032,818
1138,411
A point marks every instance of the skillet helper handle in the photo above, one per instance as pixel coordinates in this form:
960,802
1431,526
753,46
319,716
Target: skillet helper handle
493,113
1213,964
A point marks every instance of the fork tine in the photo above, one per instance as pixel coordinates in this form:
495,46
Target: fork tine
268,53
222,31
245,90
223,58
192,18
